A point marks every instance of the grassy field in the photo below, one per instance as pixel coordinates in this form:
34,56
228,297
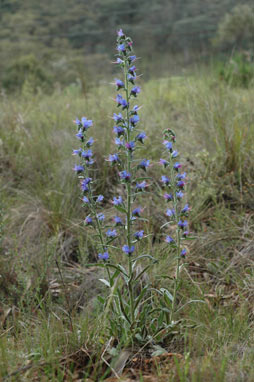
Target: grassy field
51,326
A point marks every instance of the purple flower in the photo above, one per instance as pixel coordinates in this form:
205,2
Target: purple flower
113,158
119,84
135,90
86,200
78,168
90,142
86,123
80,136
130,145
134,120
76,152
128,250
131,78
100,216
131,59
179,195
118,221
120,33
185,209
119,61
170,212
139,234
77,121
141,186
135,109
144,164
111,233
140,137
168,197
121,48
174,154
183,253
177,166
99,199
121,101
87,154
165,180
180,184
181,176
169,240
164,162
168,145
185,234
124,175
117,201
132,70
118,142
137,211
119,130
182,224
118,117
103,256
88,220
84,184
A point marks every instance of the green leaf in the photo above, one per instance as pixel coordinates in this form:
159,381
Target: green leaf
105,282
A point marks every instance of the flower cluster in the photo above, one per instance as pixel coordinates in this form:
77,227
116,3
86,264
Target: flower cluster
174,185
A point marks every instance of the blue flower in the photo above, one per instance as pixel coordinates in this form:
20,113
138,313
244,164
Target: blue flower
88,220
168,145
121,101
128,250
180,184
113,158
170,212
119,61
111,233
185,234
135,109
179,195
84,184
124,175
137,211
118,117
118,221
119,84
132,70
141,136
117,201
144,164
135,90
103,256
132,59
86,200
77,121
164,162
185,209
76,152
134,120
119,130
86,123
120,33
183,253
121,48
78,168
165,180
119,142
99,199
139,234
87,154
182,224
168,197
90,142
100,216
181,176
174,154
131,78
177,165
80,136
130,145
169,240
141,186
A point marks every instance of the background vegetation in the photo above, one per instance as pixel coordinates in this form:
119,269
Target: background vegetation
55,66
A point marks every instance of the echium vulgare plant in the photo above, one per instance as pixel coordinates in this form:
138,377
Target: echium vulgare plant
133,312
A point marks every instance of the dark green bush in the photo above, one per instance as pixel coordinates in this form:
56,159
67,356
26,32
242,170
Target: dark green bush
238,71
